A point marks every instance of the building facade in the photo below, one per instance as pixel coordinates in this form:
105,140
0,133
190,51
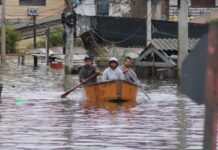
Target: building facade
197,8
23,9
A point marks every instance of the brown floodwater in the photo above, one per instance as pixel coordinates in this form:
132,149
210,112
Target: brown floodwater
34,117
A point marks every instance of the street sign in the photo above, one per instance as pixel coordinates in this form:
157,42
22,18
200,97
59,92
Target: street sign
32,11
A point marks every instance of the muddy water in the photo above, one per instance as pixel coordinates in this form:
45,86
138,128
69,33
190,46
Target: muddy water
34,117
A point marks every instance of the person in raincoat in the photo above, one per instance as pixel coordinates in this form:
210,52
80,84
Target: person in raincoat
113,72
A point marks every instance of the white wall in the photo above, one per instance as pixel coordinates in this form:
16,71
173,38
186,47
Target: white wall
87,8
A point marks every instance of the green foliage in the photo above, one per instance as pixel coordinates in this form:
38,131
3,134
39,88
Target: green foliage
41,42
213,22
12,37
29,46
56,37
78,42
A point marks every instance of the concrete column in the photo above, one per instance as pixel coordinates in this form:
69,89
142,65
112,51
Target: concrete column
3,34
69,48
35,62
1,87
47,45
182,34
18,59
148,22
157,11
34,32
22,58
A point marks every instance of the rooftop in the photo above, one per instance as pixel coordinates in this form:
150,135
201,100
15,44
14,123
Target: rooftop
172,44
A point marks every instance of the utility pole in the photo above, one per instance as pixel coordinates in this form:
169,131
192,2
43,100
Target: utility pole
3,28
70,31
148,23
183,33
33,12
34,31
47,45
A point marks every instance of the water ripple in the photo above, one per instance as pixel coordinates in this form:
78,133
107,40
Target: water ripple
34,117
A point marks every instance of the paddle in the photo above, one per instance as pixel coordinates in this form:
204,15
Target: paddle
89,78
139,86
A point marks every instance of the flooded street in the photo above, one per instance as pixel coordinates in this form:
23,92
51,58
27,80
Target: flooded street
34,117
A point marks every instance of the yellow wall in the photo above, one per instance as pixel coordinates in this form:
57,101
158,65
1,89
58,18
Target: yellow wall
15,11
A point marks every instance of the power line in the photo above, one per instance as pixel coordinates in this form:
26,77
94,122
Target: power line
155,30
42,11
127,38
96,43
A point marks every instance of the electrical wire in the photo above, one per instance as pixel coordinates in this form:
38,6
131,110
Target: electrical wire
30,19
92,36
117,42
123,40
154,30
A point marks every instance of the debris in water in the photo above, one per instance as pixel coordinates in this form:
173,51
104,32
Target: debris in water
19,101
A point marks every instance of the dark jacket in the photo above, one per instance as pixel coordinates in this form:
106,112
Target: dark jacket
86,72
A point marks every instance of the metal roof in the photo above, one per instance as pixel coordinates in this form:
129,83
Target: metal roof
40,52
171,44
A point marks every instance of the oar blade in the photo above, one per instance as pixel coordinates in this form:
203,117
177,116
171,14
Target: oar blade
64,95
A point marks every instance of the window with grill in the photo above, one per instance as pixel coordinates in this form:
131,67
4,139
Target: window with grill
32,2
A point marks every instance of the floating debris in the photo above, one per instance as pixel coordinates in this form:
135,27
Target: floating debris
19,101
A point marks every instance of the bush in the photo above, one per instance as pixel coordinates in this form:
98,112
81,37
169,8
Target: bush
41,42
12,37
56,37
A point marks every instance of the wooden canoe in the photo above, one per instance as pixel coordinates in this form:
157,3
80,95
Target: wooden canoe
111,91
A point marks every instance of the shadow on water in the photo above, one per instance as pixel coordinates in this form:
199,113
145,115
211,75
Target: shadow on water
33,116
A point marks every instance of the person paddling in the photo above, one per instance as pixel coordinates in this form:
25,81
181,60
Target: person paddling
87,74
113,72
88,70
129,73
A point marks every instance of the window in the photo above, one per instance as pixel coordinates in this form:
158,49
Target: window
203,3
33,2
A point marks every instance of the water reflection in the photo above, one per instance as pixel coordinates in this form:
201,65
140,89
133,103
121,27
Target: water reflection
70,81
110,106
182,124
44,121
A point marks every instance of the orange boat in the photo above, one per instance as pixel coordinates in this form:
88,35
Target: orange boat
111,95
111,91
